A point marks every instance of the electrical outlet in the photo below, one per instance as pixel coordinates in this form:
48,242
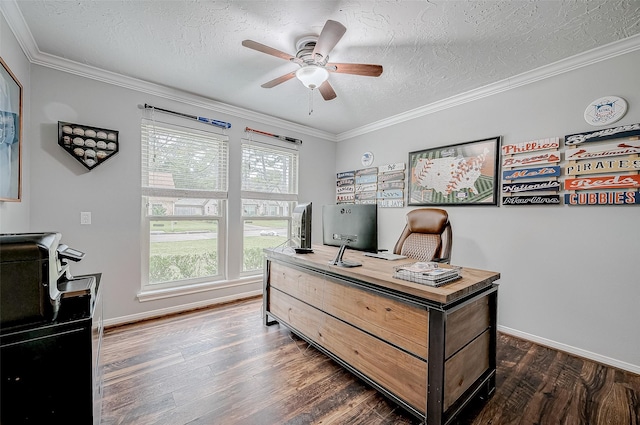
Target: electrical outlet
85,218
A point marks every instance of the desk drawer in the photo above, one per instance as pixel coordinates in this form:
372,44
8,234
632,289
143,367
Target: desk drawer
394,369
401,324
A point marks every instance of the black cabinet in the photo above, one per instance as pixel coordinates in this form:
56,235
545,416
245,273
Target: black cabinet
51,373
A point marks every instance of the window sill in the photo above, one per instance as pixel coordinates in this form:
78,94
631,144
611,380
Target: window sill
157,294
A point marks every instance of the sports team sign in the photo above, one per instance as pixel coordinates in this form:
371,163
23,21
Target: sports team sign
530,173
547,185
602,198
603,182
620,132
536,159
532,146
598,166
613,149
532,200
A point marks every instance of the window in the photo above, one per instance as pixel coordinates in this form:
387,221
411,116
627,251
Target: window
184,192
269,193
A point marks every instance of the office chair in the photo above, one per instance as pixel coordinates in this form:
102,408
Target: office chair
427,236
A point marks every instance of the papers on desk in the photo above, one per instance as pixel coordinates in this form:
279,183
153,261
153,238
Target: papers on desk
428,273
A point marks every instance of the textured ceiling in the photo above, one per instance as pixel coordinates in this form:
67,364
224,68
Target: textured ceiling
430,50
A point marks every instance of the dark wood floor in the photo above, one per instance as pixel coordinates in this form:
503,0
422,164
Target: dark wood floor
222,366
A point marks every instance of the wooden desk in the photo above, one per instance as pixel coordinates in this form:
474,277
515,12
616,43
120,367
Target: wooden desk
431,350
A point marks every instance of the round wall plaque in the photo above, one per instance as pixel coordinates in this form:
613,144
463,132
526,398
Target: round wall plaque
605,110
367,159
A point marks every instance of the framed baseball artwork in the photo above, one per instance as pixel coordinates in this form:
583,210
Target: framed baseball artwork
460,174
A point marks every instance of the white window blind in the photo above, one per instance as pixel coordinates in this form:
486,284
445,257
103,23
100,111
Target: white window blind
269,172
183,162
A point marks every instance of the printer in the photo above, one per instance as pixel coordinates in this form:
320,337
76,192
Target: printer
36,285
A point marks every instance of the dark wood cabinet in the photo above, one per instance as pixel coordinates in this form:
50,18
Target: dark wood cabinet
51,373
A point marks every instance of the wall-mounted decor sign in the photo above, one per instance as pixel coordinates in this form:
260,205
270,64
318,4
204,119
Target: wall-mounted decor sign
90,146
461,174
601,135
10,135
391,185
519,183
602,198
602,151
631,181
530,173
610,165
532,200
605,110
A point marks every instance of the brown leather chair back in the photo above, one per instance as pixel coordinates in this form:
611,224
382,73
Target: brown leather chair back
427,236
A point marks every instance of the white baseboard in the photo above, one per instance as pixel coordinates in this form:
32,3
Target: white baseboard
571,350
179,308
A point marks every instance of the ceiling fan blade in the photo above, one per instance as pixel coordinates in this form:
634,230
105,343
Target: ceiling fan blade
331,33
279,80
266,49
356,69
327,91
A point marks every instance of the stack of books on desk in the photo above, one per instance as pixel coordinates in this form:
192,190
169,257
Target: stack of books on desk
427,273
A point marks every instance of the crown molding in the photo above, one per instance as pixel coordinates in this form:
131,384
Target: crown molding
20,29
571,63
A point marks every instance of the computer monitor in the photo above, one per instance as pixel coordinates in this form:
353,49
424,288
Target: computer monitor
352,226
301,226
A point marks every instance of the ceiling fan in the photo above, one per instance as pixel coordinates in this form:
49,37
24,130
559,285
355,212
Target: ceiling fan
313,59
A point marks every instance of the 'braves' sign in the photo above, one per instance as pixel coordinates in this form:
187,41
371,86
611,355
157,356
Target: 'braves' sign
532,146
551,185
522,160
529,173
603,182
596,166
613,149
532,200
601,135
602,198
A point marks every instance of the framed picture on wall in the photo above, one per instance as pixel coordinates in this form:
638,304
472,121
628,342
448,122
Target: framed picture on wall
461,174
10,135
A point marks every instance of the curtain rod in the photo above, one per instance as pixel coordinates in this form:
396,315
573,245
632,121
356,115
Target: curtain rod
217,123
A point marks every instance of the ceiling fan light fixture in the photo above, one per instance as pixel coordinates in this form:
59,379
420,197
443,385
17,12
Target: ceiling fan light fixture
312,76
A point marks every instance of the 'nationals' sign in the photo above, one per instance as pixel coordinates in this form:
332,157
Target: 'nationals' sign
602,198
603,182
601,135
550,185
630,163
528,173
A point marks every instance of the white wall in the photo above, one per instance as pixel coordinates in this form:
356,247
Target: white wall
569,275
61,187
14,216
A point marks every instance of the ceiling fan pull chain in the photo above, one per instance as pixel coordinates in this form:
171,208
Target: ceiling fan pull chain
310,101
